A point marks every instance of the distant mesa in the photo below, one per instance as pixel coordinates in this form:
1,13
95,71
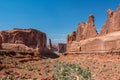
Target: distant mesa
23,40
87,39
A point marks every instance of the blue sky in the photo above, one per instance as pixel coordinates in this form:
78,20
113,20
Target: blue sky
56,18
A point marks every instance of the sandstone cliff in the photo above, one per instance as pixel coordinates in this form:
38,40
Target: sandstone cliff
108,42
70,39
112,23
86,37
86,30
23,40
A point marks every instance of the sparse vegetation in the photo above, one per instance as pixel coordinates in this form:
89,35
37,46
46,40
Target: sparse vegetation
115,66
48,60
66,71
20,66
7,78
34,78
3,54
104,65
70,67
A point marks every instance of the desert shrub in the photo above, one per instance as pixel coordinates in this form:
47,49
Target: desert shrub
7,78
3,54
34,78
67,71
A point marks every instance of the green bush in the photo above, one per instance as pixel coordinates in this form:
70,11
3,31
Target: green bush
66,71
7,78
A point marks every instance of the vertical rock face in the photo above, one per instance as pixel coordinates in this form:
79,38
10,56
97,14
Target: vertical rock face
112,23
86,40
0,42
61,47
50,43
24,40
70,38
80,31
86,30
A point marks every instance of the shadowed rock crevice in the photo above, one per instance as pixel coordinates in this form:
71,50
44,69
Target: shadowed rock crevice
50,55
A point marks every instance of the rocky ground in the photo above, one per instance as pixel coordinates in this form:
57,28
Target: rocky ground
27,67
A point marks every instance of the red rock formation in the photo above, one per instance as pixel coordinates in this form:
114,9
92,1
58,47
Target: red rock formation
70,38
61,47
86,30
24,40
87,39
50,44
108,42
112,23
0,42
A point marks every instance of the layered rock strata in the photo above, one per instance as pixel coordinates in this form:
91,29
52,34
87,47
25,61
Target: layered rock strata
23,40
87,39
112,23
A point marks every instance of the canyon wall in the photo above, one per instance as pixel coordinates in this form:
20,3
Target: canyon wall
23,40
86,38
112,23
